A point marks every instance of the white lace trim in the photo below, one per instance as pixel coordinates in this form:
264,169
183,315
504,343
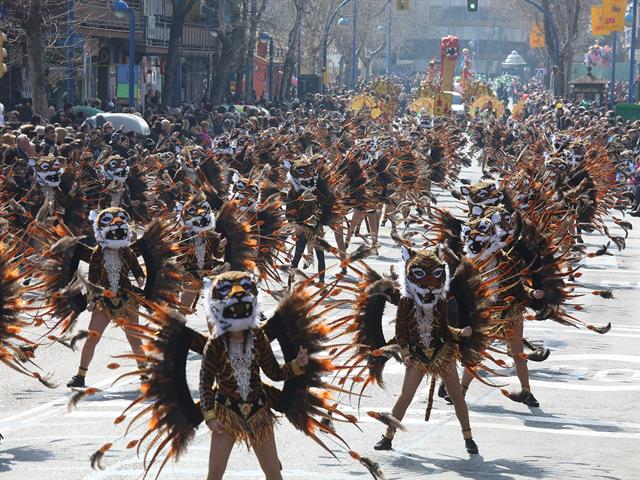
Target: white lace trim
425,324
200,250
113,266
241,357
50,197
116,198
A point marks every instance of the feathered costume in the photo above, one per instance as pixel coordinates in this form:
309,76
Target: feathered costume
231,390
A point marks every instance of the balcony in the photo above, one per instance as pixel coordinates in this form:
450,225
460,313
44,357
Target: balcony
195,37
96,18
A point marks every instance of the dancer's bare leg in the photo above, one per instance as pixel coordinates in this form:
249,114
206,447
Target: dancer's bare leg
342,251
517,347
219,452
98,323
267,454
467,378
356,220
452,384
410,384
135,342
374,226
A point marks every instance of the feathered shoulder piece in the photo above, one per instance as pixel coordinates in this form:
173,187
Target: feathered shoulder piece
57,271
306,399
234,225
544,276
216,175
448,231
16,351
331,202
368,350
544,267
137,187
272,228
159,248
473,300
165,405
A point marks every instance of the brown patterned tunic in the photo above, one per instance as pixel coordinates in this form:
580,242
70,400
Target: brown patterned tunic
202,256
231,390
123,304
426,337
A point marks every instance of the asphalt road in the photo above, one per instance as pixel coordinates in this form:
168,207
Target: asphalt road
588,425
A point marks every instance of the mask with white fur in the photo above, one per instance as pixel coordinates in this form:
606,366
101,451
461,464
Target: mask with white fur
231,300
426,278
111,228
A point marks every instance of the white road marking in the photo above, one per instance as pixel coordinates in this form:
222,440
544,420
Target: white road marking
436,412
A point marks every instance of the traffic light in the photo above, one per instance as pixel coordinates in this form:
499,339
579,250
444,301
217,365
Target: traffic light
472,5
3,54
402,5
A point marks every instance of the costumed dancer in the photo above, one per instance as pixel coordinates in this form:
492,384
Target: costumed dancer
423,341
234,402
108,293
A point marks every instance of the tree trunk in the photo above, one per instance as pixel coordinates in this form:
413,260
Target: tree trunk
565,70
173,57
180,10
231,46
289,61
224,66
240,69
367,59
342,69
257,10
35,52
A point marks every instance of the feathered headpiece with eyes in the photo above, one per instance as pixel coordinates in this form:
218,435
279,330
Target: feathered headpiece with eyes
196,214
246,189
111,228
231,299
426,277
302,172
115,168
47,170
482,193
481,238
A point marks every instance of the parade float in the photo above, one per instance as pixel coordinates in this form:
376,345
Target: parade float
436,92
380,100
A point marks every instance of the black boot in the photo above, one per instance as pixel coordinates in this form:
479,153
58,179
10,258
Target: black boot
540,354
442,393
383,444
77,381
470,445
524,396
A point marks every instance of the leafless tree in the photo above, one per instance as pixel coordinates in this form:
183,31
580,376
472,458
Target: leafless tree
180,10
569,19
256,10
231,45
290,60
41,29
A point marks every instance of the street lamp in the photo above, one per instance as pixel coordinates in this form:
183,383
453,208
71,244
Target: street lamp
70,42
354,57
120,10
343,22
264,36
632,53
